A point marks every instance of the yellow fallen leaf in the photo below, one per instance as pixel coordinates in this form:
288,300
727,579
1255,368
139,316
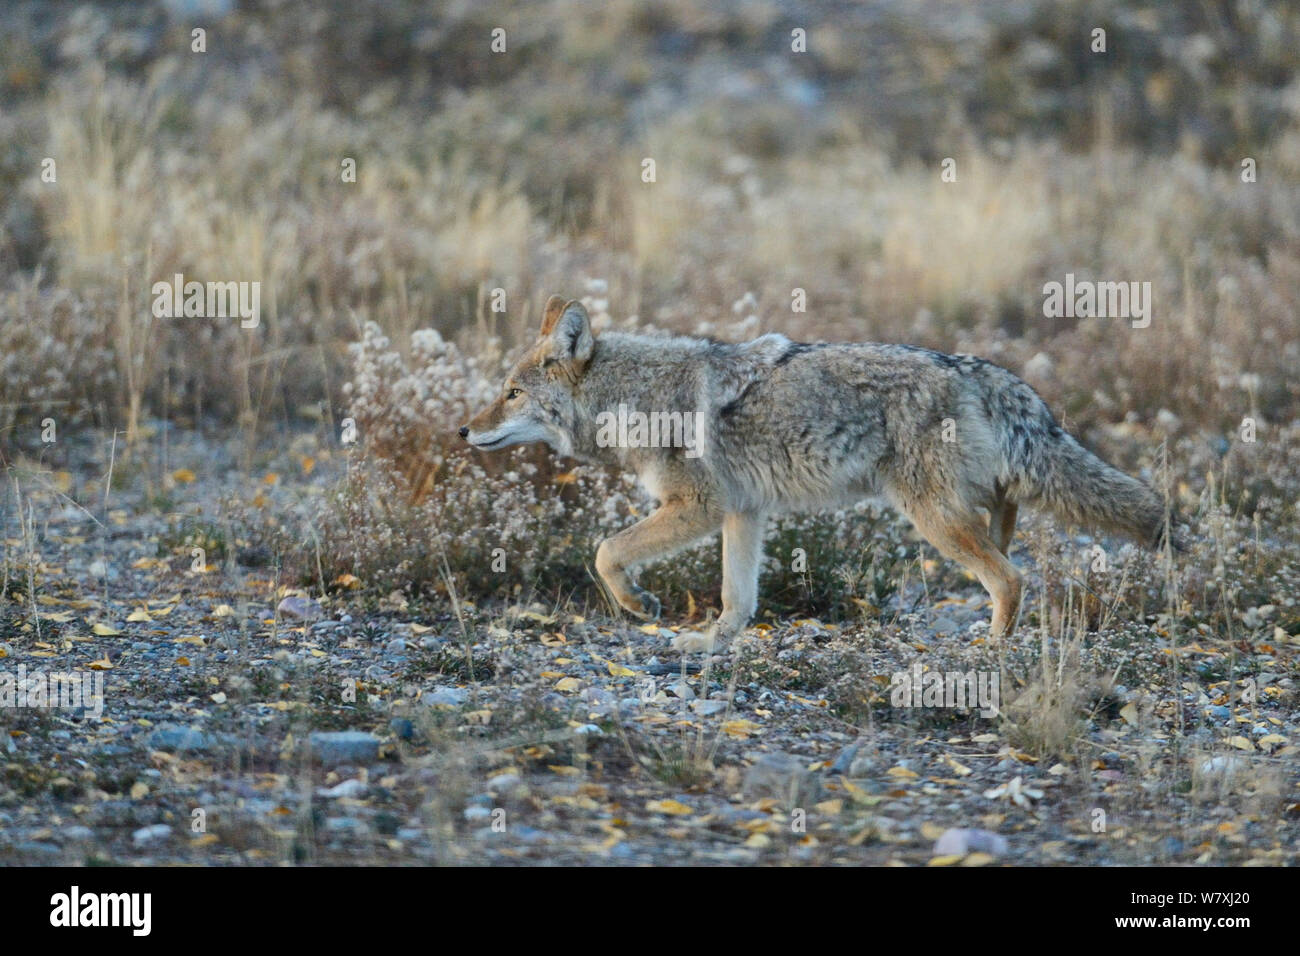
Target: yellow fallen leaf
902,772
568,685
1242,743
618,670
945,860
858,794
100,665
670,807
959,768
183,476
932,831
741,728
138,790
350,581
104,630
139,614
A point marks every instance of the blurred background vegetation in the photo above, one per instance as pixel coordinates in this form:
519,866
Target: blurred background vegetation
521,171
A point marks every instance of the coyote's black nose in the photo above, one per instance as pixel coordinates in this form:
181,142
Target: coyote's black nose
464,431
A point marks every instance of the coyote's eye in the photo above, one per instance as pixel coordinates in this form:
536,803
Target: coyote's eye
513,394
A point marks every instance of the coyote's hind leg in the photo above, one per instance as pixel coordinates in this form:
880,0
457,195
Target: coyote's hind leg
1002,523
965,538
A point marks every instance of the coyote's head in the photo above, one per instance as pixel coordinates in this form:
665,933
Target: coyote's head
536,402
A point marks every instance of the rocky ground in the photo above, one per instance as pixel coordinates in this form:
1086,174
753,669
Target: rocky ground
247,721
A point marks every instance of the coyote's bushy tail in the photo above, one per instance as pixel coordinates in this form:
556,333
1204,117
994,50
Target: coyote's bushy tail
1081,488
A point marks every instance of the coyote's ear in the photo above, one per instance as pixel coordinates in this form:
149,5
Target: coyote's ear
551,315
569,333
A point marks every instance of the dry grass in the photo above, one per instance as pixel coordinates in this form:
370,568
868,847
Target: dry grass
184,168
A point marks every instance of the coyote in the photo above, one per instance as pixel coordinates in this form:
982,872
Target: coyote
784,426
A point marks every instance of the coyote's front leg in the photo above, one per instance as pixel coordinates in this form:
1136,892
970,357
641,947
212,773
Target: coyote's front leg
742,550
673,526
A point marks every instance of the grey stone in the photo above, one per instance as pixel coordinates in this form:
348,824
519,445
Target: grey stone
445,696
32,846
345,746
957,842
945,625
845,759
862,765
504,782
295,608
178,738
346,825
151,834
784,777
353,789
706,708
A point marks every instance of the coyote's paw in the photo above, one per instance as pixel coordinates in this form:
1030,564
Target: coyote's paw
649,605
692,642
